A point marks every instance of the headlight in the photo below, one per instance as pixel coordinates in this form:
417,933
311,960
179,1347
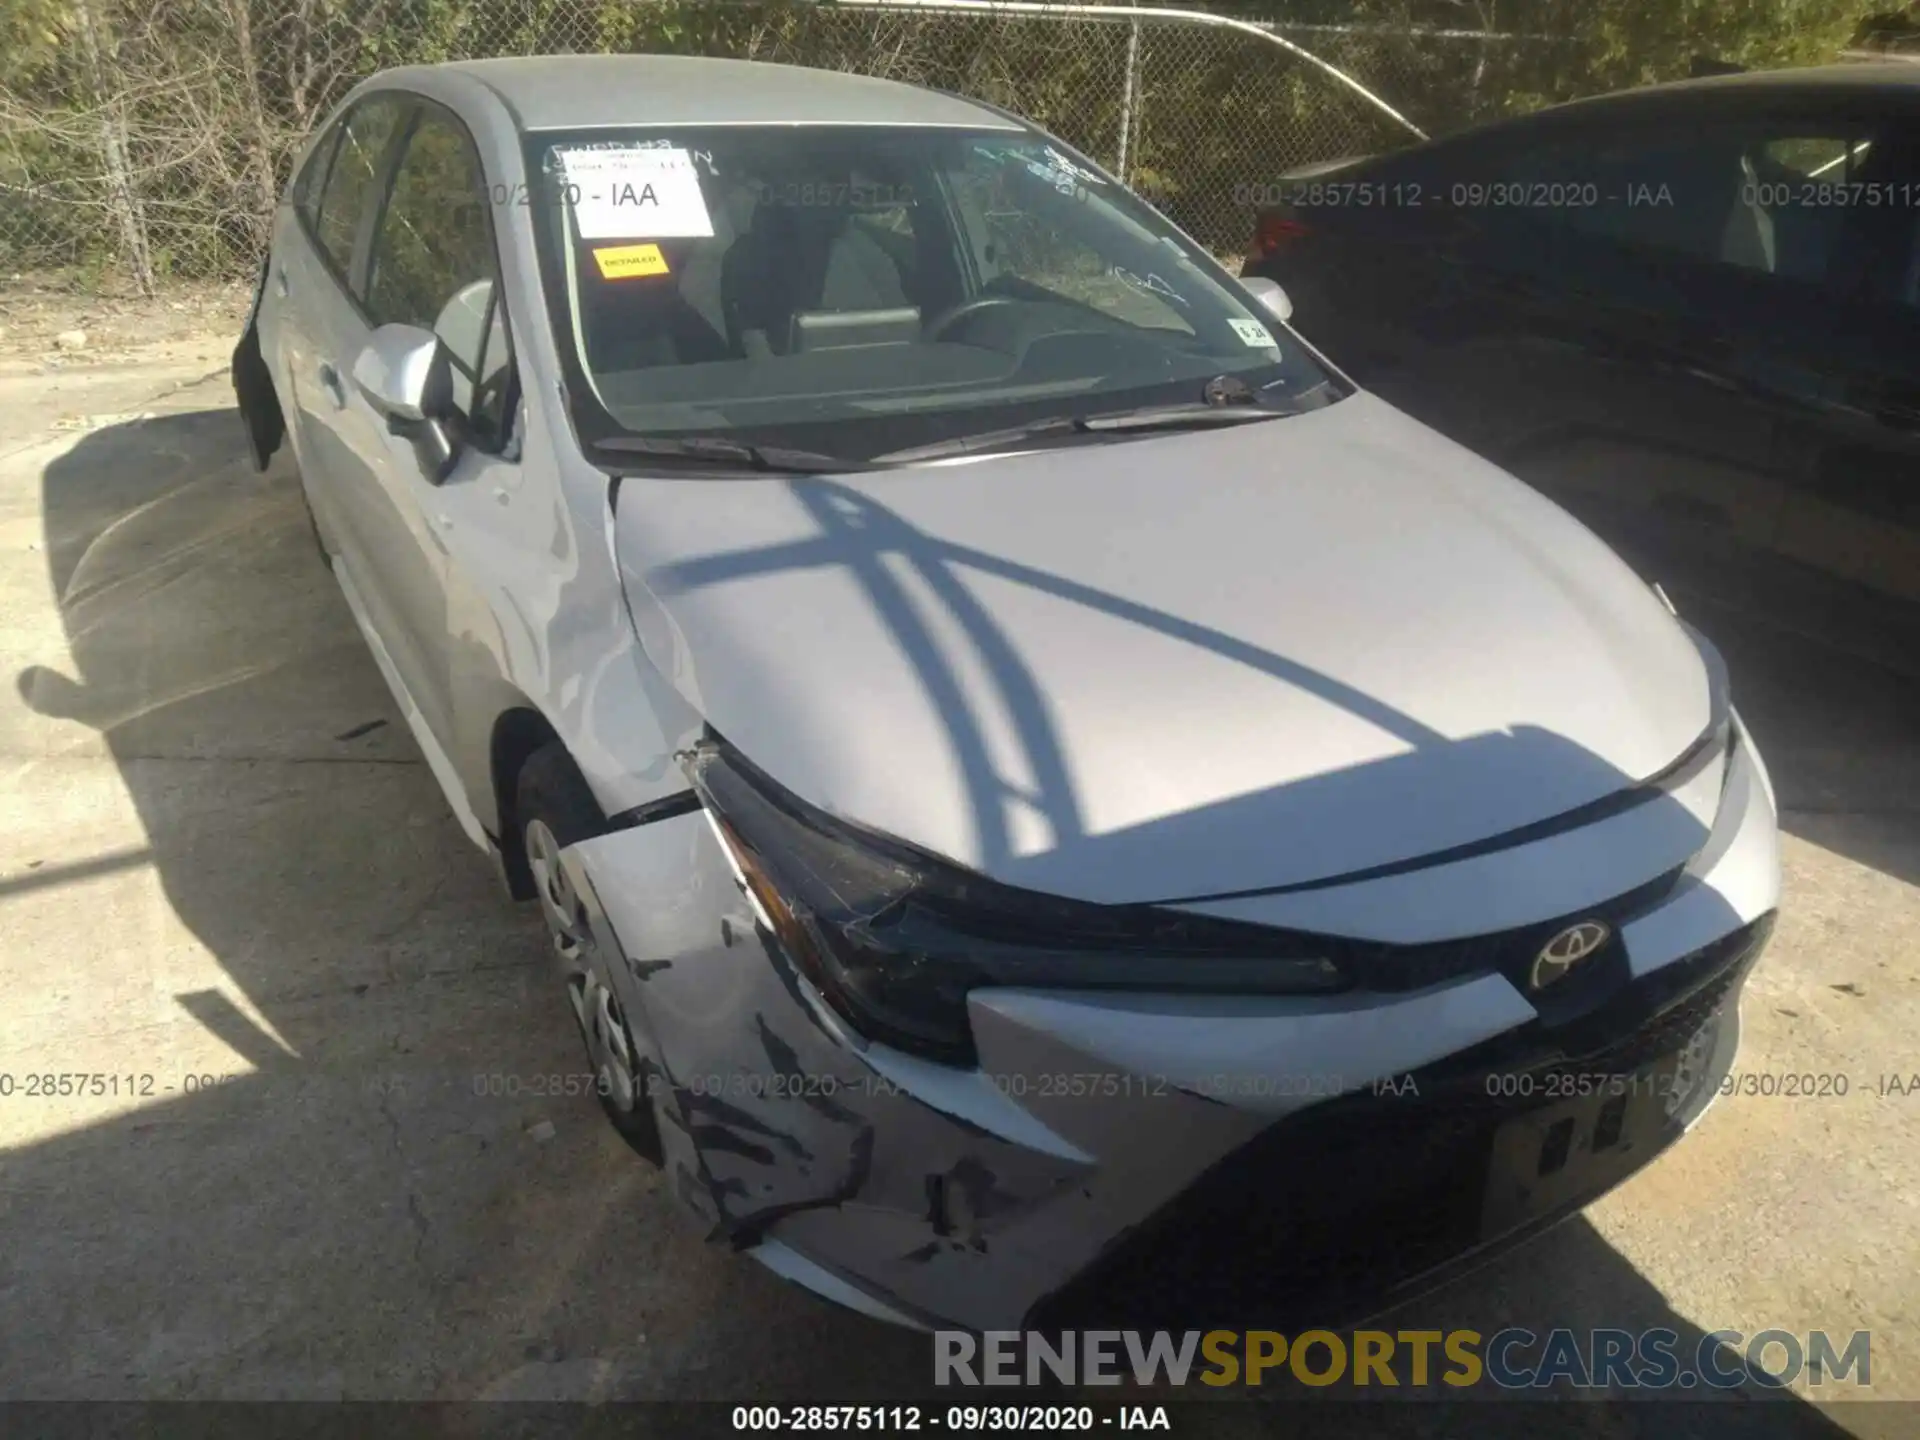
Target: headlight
895,938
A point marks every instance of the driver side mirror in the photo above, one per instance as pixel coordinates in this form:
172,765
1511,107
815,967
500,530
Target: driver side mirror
406,376
1271,297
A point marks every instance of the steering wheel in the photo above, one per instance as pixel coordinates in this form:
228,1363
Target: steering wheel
936,329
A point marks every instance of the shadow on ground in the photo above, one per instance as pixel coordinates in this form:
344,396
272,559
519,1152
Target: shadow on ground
395,1203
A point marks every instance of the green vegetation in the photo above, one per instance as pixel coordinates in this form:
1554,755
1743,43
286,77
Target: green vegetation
138,136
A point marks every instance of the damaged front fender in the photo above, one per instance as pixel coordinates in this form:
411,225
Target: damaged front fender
779,1126
966,1194
778,1110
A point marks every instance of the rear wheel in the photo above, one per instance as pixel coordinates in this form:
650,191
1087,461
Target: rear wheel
556,809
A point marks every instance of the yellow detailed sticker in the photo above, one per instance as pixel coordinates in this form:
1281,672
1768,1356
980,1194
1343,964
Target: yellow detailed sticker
618,262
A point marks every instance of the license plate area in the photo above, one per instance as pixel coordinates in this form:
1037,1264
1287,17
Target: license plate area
1594,1130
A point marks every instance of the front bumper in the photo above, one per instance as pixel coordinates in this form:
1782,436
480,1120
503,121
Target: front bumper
1162,1159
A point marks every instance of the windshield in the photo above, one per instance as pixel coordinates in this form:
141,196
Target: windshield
859,290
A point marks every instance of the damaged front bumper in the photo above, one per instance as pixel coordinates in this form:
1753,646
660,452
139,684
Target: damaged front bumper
1160,1158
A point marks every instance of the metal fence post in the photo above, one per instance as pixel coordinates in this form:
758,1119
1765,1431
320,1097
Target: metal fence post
113,150
1129,91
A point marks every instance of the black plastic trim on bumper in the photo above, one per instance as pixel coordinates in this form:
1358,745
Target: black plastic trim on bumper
1335,1212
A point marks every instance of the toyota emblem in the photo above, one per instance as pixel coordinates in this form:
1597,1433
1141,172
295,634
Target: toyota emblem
1566,950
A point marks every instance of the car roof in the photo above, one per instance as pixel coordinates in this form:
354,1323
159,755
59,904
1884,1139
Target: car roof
566,92
1897,77
1889,84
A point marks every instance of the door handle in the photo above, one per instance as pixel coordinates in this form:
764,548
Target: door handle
280,281
330,382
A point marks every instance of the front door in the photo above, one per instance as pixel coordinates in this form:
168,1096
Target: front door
431,264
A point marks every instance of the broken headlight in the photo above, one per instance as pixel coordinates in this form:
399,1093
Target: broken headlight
894,938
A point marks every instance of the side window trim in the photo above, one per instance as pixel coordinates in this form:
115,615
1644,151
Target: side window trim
506,445
503,445
486,330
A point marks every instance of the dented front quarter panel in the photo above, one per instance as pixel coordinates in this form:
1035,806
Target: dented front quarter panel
962,1195
921,1182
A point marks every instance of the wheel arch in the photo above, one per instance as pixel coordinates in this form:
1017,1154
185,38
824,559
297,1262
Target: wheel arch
518,731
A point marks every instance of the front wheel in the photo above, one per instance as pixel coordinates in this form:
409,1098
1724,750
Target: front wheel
556,809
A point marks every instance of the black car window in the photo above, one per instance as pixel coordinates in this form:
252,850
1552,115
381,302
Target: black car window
1879,257
1758,196
433,266
1799,187
350,179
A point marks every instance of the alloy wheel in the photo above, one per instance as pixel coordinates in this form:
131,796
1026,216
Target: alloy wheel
596,1006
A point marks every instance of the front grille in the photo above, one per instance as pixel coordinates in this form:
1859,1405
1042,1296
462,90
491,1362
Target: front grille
1329,1213
1399,968
1636,1023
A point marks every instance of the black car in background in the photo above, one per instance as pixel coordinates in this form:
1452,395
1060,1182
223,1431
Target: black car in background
1695,302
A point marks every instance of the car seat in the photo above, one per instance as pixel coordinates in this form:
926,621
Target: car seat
795,259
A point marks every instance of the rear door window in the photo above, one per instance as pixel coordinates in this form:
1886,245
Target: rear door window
1772,197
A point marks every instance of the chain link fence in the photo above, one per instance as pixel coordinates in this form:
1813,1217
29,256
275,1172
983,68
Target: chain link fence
144,140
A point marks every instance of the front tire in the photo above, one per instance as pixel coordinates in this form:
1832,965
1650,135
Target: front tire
555,809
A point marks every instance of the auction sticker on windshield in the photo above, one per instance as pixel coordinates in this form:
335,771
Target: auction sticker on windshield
636,193
1253,333
618,262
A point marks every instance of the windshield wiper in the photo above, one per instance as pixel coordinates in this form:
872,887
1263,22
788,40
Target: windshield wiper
1229,402
1175,417
734,454
1144,417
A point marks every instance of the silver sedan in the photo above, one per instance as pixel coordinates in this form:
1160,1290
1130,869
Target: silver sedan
1051,804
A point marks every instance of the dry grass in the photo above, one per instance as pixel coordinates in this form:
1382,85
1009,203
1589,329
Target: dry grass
36,310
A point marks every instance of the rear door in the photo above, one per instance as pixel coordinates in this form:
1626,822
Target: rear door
274,326
1653,317
317,281
1851,455
1709,331
1623,270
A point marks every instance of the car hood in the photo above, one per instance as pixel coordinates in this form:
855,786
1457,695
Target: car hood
1167,667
